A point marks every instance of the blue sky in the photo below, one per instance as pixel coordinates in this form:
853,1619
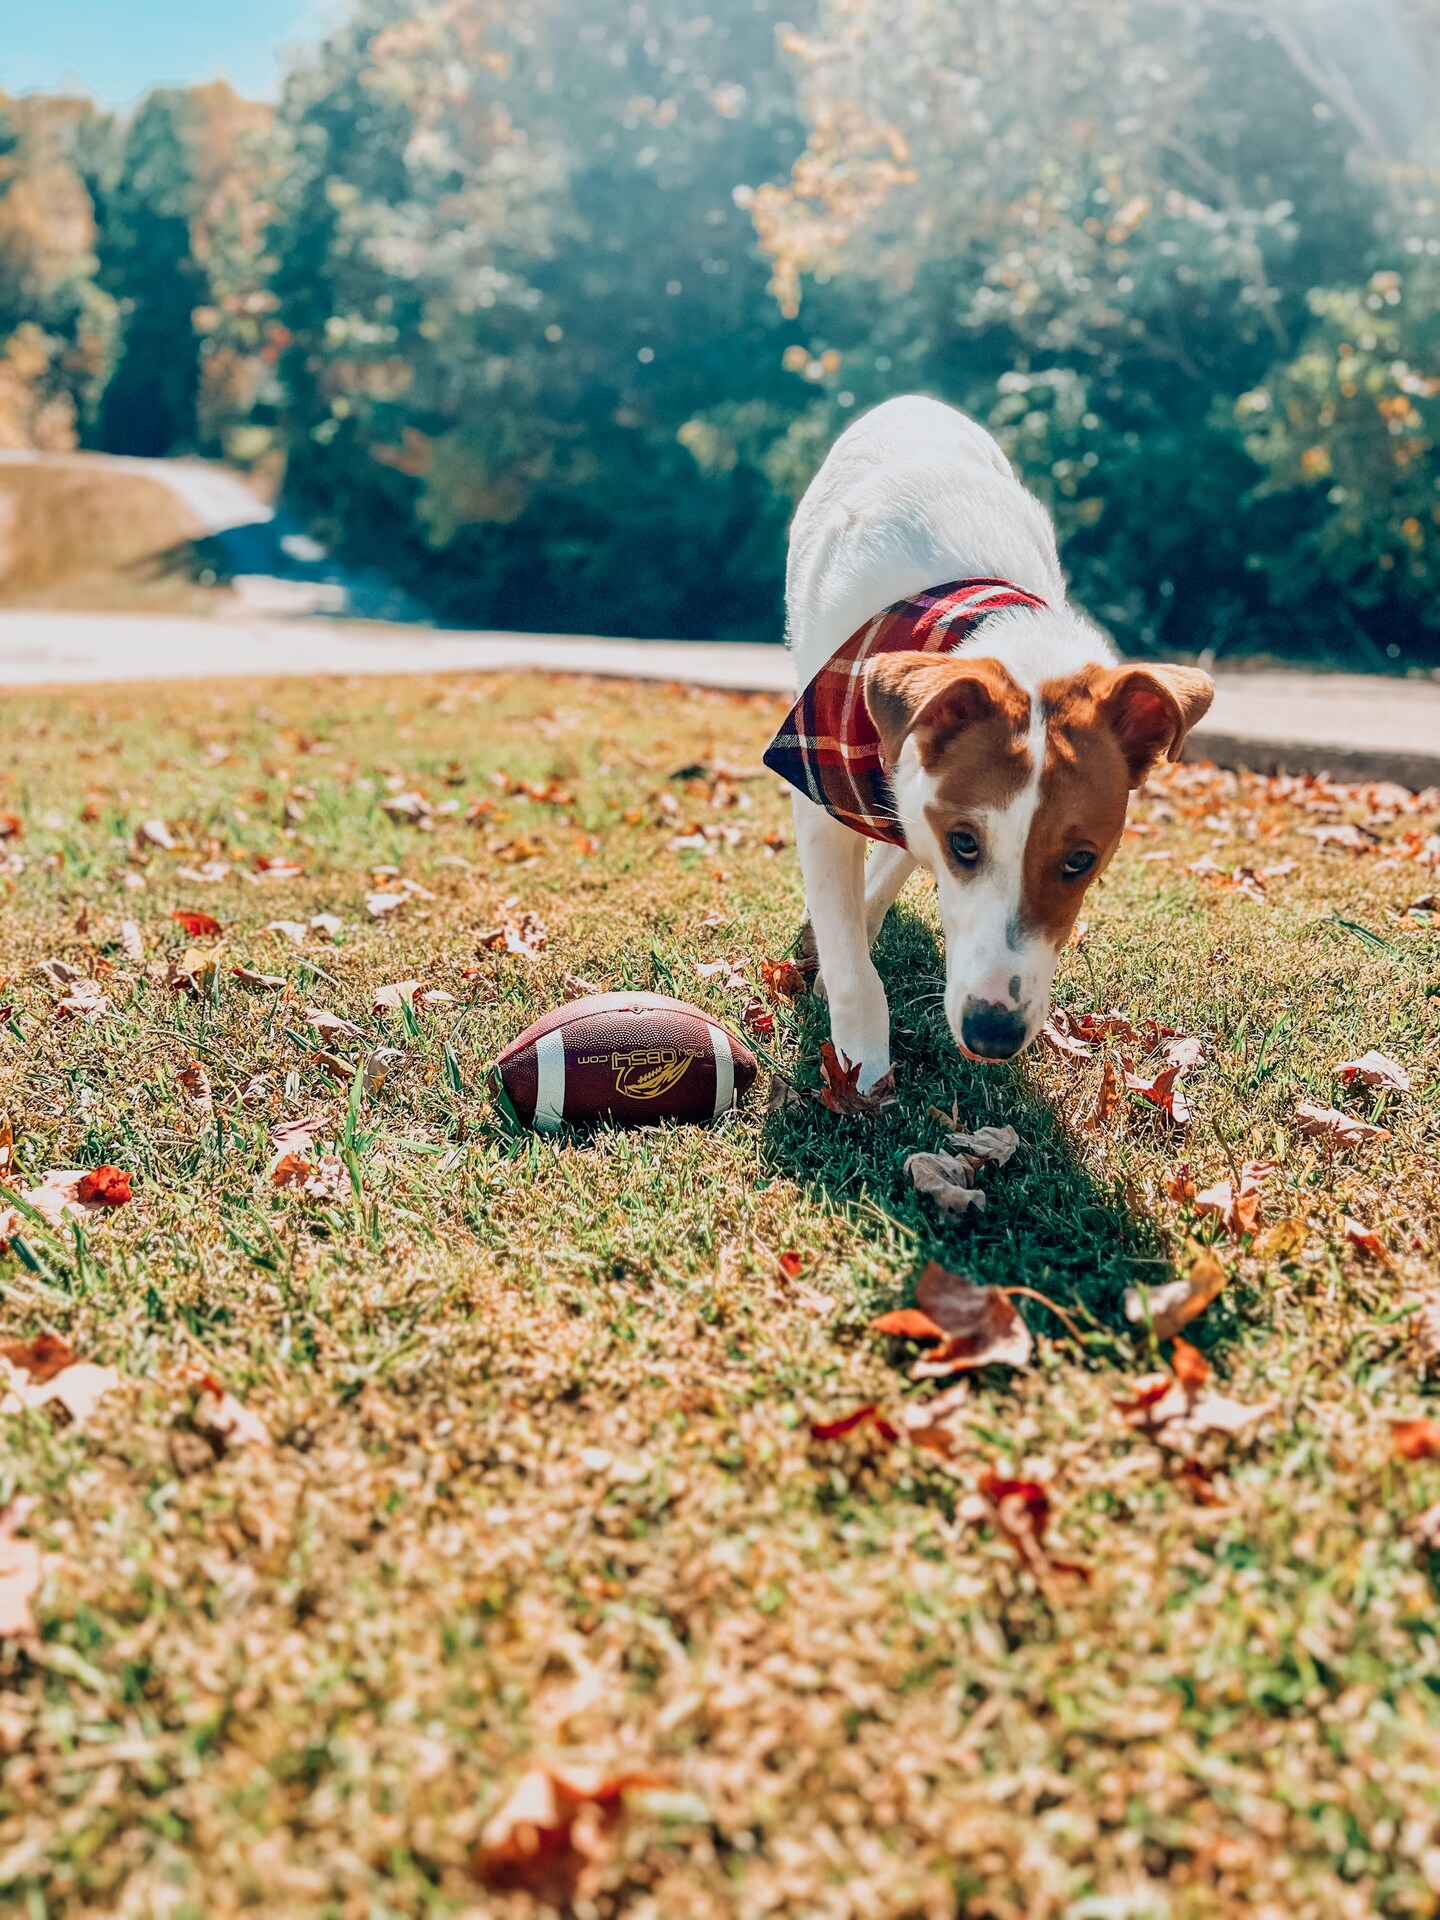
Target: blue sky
115,49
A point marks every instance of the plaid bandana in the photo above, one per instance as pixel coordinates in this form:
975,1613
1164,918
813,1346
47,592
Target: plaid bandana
828,746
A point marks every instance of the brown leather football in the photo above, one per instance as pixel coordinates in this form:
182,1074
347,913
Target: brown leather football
629,1057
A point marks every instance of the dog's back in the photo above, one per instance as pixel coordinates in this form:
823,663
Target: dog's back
914,495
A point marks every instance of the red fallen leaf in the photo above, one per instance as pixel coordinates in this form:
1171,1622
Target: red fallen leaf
1192,1369
1164,1091
1366,1240
783,980
1180,1187
47,1372
225,1422
42,1358
1107,1097
11,826
105,1187
908,1323
1057,1033
199,926
850,1422
1239,1212
1101,1026
1416,1439
790,1264
552,1836
1022,1513
841,1091
757,1017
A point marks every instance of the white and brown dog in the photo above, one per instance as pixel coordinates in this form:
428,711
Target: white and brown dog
954,709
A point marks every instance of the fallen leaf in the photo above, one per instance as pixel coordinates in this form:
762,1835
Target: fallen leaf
841,1090
783,980
1192,1369
849,1423
47,1372
521,934
1239,1211
757,1018
1186,1051
1164,1091
1180,1187
132,944
154,833
1107,1097
1416,1439
1426,1528
21,1568
554,1833
948,1181
295,1136
1021,1511
1056,1033
1375,1070
332,1026
259,982
1366,1240
1176,1303
985,1147
194,972
937,1424
1180,1413
973,1326
410,809
1427,1331
225,1422
380,905
401,993
199,926
1340,1129
195,1085
104,1187
380,1063
1284,1240
294,931
12,826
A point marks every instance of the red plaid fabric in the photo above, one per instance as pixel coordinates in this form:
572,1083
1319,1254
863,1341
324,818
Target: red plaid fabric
828,746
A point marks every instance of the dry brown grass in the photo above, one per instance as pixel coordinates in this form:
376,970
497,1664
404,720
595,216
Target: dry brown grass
71,537
543,1482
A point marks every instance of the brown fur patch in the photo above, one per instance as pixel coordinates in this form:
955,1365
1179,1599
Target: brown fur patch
971,724
1084,793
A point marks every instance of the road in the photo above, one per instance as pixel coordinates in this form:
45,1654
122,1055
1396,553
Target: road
1352,725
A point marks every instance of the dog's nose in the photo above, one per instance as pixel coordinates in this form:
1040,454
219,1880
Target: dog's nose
991,1029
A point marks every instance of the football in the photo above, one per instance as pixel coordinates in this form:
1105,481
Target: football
635,1058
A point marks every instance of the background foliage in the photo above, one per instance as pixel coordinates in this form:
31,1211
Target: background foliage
554,307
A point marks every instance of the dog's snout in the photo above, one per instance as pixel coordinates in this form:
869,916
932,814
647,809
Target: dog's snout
991,1029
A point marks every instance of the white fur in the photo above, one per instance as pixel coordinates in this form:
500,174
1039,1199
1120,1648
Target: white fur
912,496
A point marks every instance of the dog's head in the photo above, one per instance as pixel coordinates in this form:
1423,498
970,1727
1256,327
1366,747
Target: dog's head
1017,804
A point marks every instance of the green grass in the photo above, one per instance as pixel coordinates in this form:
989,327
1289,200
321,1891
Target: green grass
543,1482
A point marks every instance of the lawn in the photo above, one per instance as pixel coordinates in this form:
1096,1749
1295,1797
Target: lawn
464,1452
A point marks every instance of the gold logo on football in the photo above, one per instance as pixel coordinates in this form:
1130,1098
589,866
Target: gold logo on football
650,1072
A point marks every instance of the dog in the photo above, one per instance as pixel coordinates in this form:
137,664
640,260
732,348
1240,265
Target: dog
954,709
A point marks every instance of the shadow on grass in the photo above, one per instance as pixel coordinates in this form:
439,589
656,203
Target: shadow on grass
1048,1222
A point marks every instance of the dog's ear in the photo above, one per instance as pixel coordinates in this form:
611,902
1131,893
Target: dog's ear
1151,710
937,696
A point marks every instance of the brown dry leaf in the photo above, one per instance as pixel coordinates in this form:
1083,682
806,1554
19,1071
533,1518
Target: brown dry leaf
295,931
841,1090
1057,1033
1366,1240
1175,1304
155,833
1180,1187
1180,1412
297,1136
47,1372
1239,1212
84,1001
225,1422
985,1147
1185,1051
132,943
1107,1097
195,1085
70,1193
937,1425
194,972
947,1180
398,994
520,933
410,809
7,1146
783,980
1354,839
1335,1127
22,1566
1374,1070
333,1026
553,1834
379,1064
380,905
868,1416
1285,1239
977,1326
259,982
1426,1528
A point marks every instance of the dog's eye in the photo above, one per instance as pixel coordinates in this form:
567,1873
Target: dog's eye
1077,863
965,847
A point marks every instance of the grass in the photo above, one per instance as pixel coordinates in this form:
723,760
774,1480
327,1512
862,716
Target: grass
543,1482
75,538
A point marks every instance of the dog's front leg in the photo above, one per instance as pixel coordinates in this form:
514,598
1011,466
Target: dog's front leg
832,861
